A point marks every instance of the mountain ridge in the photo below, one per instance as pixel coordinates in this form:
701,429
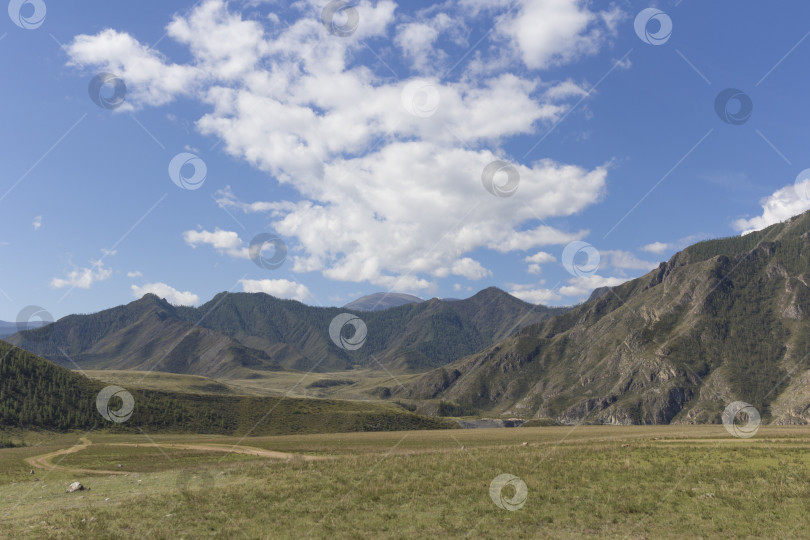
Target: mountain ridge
722,320
382,300
235,334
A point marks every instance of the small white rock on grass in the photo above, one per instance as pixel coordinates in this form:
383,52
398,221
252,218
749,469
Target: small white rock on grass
75,486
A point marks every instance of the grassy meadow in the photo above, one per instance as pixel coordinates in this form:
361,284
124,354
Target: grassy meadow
357,384
588,481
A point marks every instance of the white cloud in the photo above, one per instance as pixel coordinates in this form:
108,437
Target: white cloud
37,222
533,295
417,39
584,285
226,242
566,89
149,79
83,278
172,295
280,288
626,260
226,199
541,257
469,268
662,247
781,205
538,259
576,287
553,32
384,197
135,274
656,247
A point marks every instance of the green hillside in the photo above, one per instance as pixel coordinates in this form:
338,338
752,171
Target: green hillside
35,393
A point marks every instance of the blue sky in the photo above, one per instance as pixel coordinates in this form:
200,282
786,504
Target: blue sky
363,147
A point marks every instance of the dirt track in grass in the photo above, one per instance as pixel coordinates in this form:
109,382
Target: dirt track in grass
45,461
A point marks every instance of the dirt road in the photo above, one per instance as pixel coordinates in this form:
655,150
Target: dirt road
212,447
44,461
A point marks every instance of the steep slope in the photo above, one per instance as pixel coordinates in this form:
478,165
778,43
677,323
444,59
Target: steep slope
144,335
235,333
380,301
437,332
723,320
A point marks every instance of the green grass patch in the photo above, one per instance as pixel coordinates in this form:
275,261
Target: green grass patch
586,482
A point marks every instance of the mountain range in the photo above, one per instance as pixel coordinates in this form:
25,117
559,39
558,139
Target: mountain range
10,328
241,334
722,321
380,301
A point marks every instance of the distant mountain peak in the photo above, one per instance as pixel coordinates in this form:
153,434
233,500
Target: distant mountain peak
380,300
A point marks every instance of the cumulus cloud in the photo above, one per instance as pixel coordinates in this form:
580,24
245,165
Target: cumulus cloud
660,248
226,242
384,196
280,288
83,278
541,257
626,260
172,295
416,39
535,295
584,285
656,247
37,222
135,274
552,32
777,207
150,79
538,259
575,289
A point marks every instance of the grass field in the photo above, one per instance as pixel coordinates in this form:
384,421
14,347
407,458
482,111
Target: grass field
589,481
357,384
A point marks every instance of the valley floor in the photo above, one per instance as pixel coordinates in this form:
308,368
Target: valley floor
588,481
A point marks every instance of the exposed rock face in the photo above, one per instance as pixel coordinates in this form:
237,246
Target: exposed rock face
721,321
